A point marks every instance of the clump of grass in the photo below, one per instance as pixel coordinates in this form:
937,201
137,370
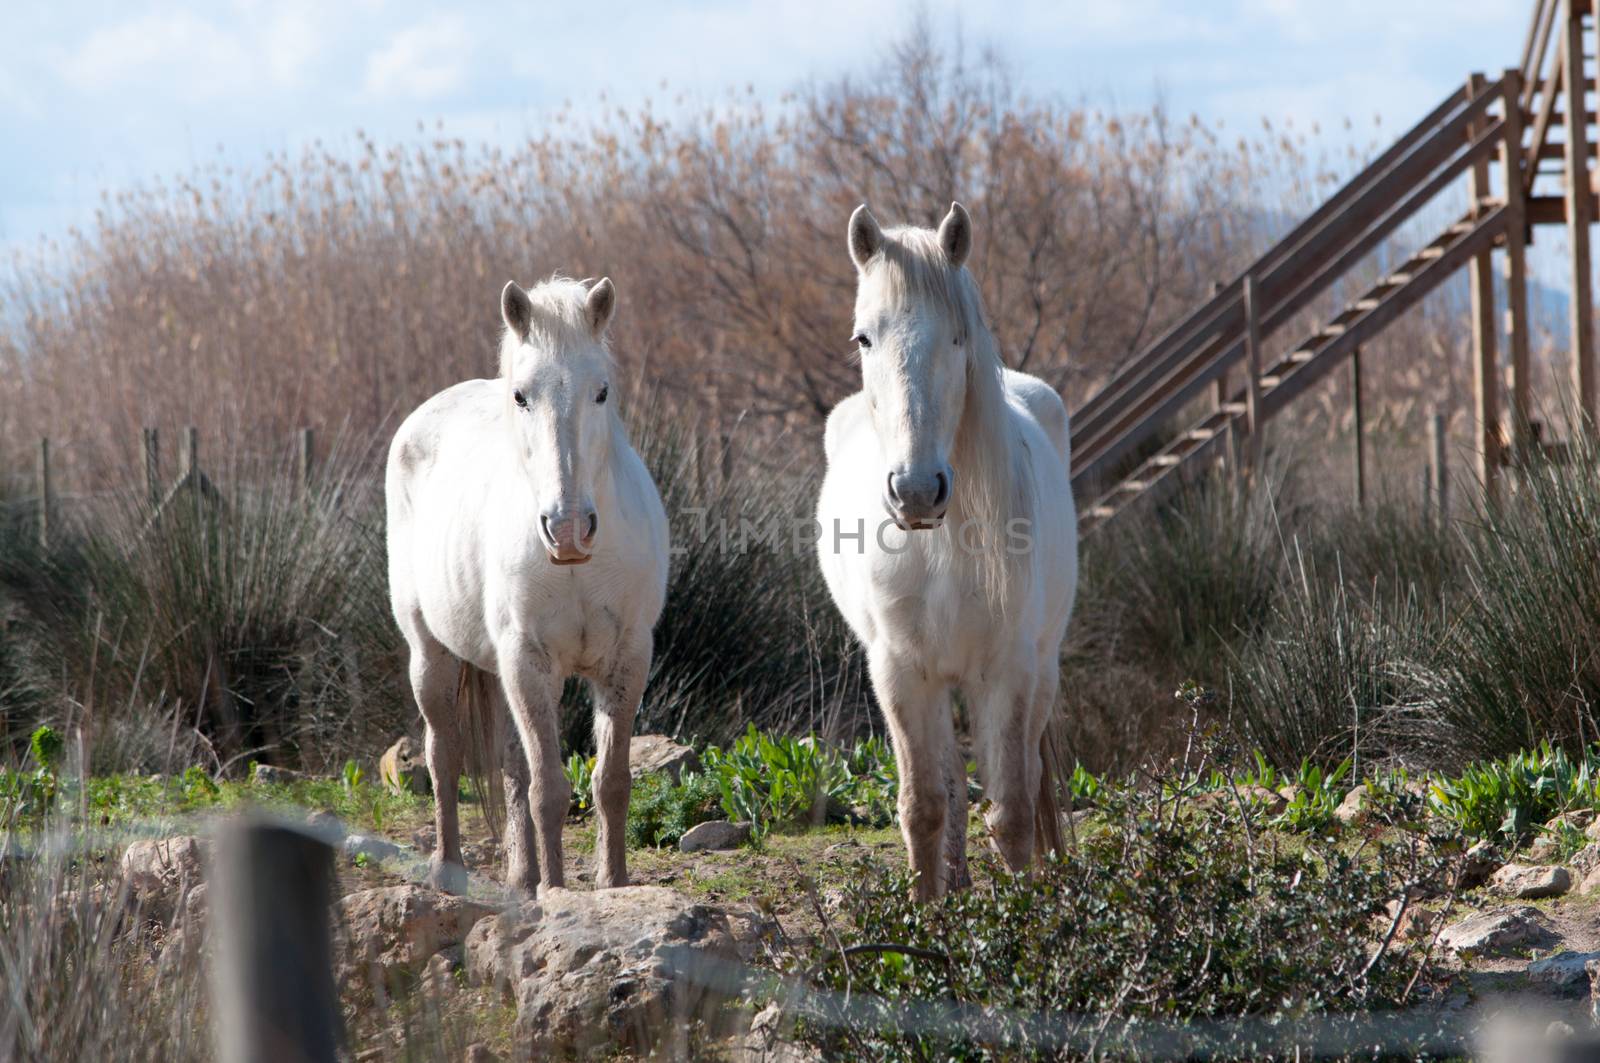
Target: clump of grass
1522,663
1335,677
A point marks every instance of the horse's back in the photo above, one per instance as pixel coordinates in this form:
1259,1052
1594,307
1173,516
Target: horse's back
1045,407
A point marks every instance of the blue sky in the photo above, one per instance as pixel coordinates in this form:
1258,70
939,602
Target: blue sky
99,95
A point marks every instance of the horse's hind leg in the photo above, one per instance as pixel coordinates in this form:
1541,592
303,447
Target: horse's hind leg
434,674
1008,730
918,713
617,693
522,871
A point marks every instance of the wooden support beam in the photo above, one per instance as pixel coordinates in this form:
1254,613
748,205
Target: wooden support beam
1252,361
1579,215
1517,321
1552,210
1485,353
1438,463
1358,429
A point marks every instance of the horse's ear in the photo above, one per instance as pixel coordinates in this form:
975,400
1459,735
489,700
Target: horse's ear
517,309
866,238
599,305
955,235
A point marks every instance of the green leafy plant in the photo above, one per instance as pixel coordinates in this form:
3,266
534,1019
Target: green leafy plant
660,811
580,777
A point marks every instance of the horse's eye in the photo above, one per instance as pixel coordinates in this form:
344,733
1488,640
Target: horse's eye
519,398
860,339
605,389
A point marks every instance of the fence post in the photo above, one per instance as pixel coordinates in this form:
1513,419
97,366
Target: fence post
46,493
1485,353
152,465
1580,212
189,475
272,891
303,463
1440,469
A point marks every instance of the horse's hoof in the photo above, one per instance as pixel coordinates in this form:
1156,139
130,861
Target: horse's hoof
447,877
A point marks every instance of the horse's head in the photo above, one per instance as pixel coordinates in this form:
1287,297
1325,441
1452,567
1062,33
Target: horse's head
911,331
556,370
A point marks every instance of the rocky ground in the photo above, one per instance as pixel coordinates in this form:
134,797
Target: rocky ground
658,967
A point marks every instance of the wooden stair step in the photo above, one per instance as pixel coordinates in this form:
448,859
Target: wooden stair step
1167,461
1369,303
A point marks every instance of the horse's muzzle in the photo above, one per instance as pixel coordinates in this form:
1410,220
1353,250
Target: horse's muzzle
569,537
917,502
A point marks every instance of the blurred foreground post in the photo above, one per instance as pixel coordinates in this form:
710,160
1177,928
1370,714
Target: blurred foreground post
272,889
46,494
189,461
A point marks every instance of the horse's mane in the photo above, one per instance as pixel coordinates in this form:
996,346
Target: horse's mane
995,477
559,321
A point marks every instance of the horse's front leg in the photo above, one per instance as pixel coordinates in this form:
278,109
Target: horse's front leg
1007,727
533,693
522,872
617,693
918,713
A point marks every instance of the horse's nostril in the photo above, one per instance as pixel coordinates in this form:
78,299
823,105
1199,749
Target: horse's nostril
894,496
594,526
944,491
544,526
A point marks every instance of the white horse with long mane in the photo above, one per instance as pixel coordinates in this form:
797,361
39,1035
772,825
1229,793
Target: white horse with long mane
527,542
949,541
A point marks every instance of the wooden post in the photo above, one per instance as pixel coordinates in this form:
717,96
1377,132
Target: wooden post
271,894
191,467
46,493
303,460
1578,197
1516,265
152,465
1223,396
1485,356
1358,429
1252,349
1437,444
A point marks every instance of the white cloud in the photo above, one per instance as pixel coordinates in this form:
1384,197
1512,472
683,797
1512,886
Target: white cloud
192,53
426,61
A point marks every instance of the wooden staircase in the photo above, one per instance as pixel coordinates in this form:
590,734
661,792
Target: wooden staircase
1205,389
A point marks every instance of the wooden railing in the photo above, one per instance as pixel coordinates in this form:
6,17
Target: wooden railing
1149,420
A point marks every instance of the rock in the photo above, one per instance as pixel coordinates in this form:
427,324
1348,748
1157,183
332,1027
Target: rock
425,838
769,1040
478,1052
1592,831
1559,1031
403,768
606,972
1416,923
648,753
374,849
1591,882
158,871
717,834
1289,793
1479,863
1564,970
1575,818
1527,882
440,974
327,826
1353,809
1501,930
1585,861
1271,802
400,928
272,775
1545,847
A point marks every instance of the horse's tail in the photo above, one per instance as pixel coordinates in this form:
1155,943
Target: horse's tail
477,709
1047,812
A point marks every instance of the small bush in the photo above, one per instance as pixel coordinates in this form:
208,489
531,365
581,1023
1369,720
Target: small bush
661,812
1150,924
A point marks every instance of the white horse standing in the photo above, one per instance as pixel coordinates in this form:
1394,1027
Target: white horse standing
528,542
969,582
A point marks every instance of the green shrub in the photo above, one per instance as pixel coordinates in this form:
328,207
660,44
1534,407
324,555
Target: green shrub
1150,921
660,812
769,780
1507,798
